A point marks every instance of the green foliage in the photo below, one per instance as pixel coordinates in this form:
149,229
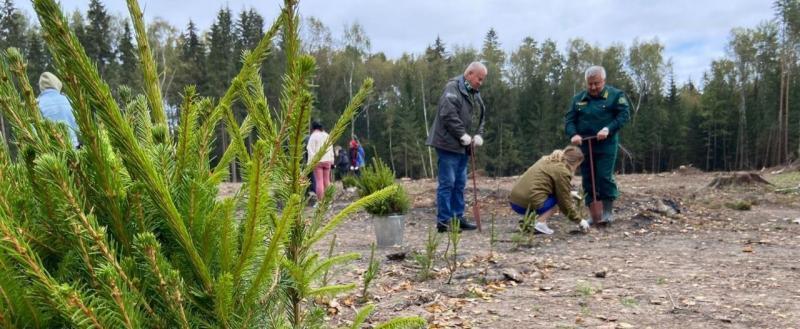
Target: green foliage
330,255
730,124
586,289
629,302
129,230
451,252
373,267
527,222
428,259
375,177
403,323
787,179
739,205
349,181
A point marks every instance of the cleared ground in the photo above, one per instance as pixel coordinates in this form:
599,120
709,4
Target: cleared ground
707,266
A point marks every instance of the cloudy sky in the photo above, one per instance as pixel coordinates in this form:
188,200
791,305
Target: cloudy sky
694,32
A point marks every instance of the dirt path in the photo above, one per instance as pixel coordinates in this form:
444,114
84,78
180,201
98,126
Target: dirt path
707,267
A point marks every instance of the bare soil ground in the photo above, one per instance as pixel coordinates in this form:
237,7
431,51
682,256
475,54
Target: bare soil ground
707,266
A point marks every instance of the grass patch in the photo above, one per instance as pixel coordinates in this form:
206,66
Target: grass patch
785,179
586,289
629,302
741,205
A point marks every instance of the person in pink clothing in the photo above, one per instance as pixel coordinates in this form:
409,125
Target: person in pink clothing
322,172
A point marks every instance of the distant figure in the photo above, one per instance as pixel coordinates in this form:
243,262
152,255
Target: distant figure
456,129
357,157
322,171
599,111
547,184
55,106
342,163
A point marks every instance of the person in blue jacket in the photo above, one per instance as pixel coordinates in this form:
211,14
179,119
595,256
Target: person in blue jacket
357,157
55,106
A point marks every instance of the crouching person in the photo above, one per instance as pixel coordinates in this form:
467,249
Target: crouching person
547,184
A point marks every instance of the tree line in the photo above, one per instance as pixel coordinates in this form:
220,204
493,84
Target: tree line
744,116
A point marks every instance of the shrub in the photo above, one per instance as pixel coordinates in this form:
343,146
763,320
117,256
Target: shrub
378,176
349,181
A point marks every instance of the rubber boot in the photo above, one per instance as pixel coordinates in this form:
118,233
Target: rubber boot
608,211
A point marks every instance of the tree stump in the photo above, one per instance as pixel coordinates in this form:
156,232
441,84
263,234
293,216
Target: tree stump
738,179
688,170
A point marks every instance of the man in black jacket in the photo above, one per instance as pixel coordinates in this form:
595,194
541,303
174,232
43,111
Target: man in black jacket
457,128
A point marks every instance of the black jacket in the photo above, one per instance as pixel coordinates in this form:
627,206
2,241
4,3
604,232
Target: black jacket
454,117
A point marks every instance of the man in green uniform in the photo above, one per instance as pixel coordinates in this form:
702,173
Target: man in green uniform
599,111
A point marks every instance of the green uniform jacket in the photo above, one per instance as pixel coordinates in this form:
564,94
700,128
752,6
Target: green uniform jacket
545,178
588,115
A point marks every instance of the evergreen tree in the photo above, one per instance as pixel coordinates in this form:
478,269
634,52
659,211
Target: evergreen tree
192,70
172,254
503,158
77,25
221,57
98,37
12,26
249,29
36,54
436,60
129,73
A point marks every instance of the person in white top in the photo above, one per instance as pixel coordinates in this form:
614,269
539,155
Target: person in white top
322,172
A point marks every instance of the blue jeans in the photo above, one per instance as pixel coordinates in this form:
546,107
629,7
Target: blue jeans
452,181
548,204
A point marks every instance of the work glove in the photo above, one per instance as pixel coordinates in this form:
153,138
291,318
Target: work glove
584,225
478,140
576,140
602,134
466,140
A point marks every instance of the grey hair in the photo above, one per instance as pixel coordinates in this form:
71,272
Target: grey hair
474,66
595,70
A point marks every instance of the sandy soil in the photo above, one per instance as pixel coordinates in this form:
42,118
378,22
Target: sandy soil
708,266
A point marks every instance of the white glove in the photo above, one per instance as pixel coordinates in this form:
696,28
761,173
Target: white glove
584,225
478,140
466,140
602,134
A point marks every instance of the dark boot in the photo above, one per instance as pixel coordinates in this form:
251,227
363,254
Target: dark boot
608,211
466,226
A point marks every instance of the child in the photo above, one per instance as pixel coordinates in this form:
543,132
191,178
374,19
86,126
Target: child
546,184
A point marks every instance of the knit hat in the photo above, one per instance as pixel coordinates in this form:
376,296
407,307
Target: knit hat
49,81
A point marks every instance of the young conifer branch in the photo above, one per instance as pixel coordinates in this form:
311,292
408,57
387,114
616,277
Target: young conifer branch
64,44
152,87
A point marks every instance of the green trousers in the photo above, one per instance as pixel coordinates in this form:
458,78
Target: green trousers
605,185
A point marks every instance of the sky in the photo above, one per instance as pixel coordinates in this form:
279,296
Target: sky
694,32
